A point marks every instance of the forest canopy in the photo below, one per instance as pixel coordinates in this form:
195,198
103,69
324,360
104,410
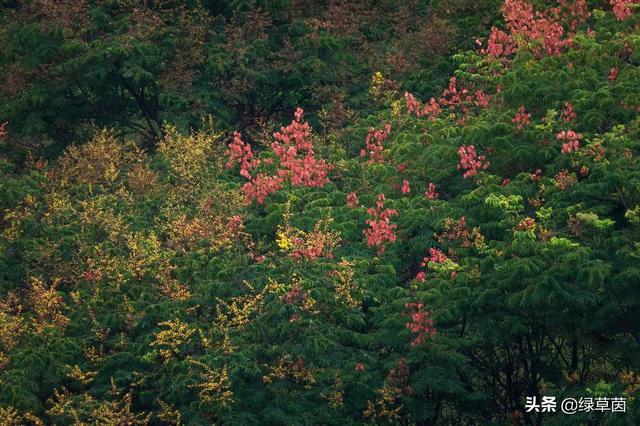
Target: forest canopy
319,212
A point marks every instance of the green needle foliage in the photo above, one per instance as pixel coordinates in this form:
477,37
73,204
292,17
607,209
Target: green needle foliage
385,259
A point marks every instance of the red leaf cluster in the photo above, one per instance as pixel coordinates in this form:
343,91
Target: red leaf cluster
622,9
542,32
568,113
374,141
522,118
571,141
297,161
452,98
380,229
470,161
421,323
431,192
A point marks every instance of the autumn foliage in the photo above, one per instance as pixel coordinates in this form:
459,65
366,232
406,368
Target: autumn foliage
364,230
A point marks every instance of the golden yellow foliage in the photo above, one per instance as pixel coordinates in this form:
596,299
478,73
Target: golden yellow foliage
168,414
283,240
385,406
307,245
216,386
335,394
291,370
99,212
142,181
14,218
77,374
345,287
9,416
217,233
189,157
84,409
97,163
631,380
46,304
11,324
377,82
171,340
237,312
145,252
59,204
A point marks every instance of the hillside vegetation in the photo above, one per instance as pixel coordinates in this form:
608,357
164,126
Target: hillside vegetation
301,213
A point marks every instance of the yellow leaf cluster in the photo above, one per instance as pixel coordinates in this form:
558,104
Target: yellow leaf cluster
85,410
335,395
289,369
171,340
321,242
377,81
77,374
46,304
189,156
97,163
346,288
385,406
9,416
237,312
216,386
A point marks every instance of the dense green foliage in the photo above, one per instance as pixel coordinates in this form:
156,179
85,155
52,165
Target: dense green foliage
67,66
408,262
